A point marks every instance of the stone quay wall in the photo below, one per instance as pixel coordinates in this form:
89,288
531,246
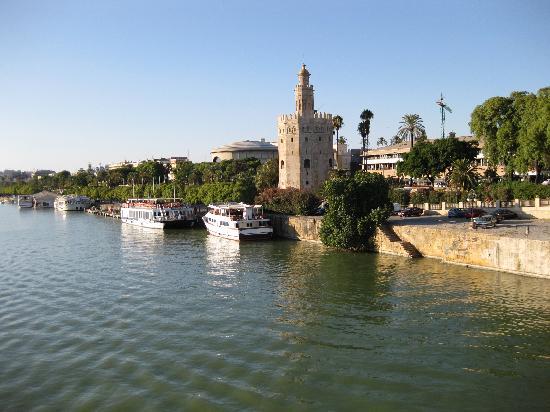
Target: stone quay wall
470,248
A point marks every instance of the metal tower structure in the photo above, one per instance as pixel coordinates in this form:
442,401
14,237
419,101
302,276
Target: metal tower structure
443,106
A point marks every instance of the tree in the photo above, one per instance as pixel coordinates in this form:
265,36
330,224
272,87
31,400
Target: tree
151,171
341,140
356,206
431,159
381,142
364,130
464,175
422,161
184,172
411,127
396,140
534,133
267,175
496,123
337,123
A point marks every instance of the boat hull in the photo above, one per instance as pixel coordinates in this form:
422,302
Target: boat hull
172,224
263,233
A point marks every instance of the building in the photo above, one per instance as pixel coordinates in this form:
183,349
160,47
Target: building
384,159
304,140
342,156
170,163
258,149
39,174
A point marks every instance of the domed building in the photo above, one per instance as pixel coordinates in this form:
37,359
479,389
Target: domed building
259,149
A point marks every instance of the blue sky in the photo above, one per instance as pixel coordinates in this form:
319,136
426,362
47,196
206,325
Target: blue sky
103,81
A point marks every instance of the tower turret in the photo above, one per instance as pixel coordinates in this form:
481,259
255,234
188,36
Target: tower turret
303,93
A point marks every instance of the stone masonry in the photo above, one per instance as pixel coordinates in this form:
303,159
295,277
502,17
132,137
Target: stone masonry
305,141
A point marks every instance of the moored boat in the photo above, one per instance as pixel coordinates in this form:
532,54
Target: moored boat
72,203
25,201
238,221
158,213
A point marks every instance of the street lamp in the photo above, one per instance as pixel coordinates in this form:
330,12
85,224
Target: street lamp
471,197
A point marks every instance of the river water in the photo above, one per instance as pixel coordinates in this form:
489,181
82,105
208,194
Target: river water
96,315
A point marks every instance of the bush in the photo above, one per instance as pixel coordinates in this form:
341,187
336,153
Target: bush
289,201
356,206
517,190
419,197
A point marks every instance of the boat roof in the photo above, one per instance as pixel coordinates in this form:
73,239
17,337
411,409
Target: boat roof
232,205
157,199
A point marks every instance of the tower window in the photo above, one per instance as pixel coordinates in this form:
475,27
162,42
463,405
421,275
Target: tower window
282,141
319,138
291,139
307,163
306,139
282,164
330,162
307,182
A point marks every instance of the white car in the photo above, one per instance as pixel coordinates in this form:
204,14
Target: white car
484,222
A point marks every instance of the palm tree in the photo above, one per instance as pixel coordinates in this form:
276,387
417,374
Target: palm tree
464,174
412,127
381,142
337,123
364,130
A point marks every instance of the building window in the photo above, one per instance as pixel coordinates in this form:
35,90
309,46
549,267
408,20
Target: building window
330,162
319,138
307,182
291,139
282,164
306,139
307,163
282,141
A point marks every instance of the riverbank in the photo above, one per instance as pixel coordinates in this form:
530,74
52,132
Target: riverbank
520,247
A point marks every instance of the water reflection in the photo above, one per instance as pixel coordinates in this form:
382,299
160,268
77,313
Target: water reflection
140,245
223,261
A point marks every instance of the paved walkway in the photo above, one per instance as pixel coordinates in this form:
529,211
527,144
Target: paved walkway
519,228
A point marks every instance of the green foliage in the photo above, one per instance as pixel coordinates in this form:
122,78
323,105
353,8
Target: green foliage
289,201
150,170
399,195
364,127
509,190
267,175
356,206
431,159
411,128
464,174
515,130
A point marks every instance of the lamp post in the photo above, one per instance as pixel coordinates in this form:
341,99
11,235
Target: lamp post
471,197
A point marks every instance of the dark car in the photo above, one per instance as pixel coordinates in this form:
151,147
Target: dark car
502,214
456,212
411,211
474,212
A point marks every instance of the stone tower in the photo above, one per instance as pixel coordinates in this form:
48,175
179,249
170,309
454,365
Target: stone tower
304,140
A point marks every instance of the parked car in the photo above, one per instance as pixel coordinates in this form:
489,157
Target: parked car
456,212
473,212
502,214
410,211
484,222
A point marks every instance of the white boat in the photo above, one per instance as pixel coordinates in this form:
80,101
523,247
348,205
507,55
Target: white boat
238,221
25,201
72,203
158,213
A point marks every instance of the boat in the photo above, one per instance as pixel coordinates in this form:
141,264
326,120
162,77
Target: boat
25,201
158,213
72,203
238,221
